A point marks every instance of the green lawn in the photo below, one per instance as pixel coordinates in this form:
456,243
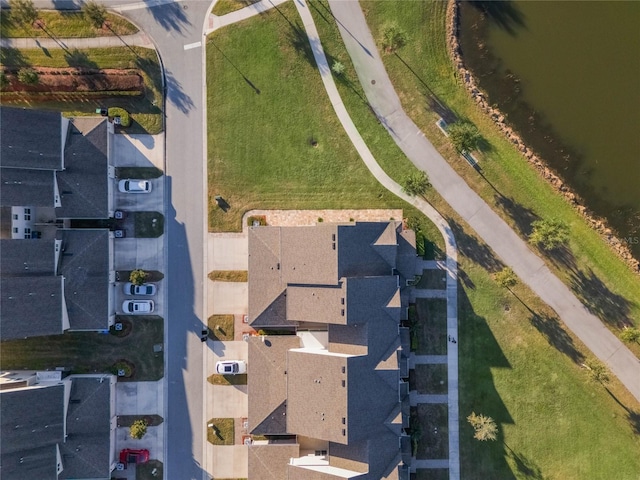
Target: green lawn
282,147
145,110
429,379
223,7
152,470
426,81
222,432
433,442
431,326
89,352
148,224
216,379
221,327
433,279
64,24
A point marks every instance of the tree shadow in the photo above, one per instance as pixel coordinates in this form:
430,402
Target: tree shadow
13,57
244,77
79,59
608,306
563,257
175,94
169,16
465,279
551,329
503,13
522,216
473,248
298,39
526,467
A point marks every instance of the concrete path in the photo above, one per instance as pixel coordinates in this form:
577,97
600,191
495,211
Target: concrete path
420,464
216,22
490,227
427,293
139,39
426,360
450,244
416,398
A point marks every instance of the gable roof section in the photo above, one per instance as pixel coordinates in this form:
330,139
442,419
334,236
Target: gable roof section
368,298
86,452
22,187
83,184
27,257
269,462
317,303
268,380
85,266
357,253
30,138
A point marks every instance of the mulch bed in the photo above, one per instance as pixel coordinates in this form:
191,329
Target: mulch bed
78,80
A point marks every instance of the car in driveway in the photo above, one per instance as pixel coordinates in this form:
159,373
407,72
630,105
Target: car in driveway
137,307
129,455
134,186
231,367
144,289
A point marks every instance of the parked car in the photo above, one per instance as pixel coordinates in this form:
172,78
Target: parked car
144,289
137,307
134,186
231,367
129,455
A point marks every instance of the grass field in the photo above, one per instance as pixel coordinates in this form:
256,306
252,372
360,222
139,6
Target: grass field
222,432
88,352
64,24
221,327
223,7
424,77
145,110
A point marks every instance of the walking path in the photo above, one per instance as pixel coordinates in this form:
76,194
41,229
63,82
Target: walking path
453,463
216,22
416,398
426,360
139,39
490,227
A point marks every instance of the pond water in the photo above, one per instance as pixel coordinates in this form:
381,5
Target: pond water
567,76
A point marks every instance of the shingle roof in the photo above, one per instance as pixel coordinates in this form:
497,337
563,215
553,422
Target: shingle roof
268,377
269,462
21,187
358,254
83,185
30,138
87,449
27,257
85,266
315,303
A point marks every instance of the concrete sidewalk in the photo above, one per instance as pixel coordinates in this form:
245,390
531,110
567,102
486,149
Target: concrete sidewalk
139,39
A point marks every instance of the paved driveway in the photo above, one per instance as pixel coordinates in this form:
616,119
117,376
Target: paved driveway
228,297
230,401
228,251
138,151
228,461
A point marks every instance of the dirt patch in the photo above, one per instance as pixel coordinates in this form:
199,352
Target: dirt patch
78,80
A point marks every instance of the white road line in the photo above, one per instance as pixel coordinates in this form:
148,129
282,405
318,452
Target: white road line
189,46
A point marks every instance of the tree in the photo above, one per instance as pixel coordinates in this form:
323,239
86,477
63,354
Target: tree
95,13
464,136
4,81
28,76
337,67
506,278
630,334
23,12
549,233
485,428
597,371
393,37
416,183
138,429
137,277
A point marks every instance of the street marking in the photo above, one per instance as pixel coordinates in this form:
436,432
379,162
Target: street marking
189,46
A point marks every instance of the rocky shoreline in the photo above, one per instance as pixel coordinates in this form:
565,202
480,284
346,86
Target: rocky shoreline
598,224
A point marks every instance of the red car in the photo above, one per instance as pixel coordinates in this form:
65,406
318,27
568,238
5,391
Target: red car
134,456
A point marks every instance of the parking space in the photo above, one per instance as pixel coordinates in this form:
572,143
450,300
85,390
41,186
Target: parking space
229,461
228,251
228,297
228,351
230,401
138,151
142,202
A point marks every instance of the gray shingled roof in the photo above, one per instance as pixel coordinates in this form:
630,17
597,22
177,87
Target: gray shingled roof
30,138
267,377
83,185
21,187
357,253
85,266
86,452
315,303
269,462
27,257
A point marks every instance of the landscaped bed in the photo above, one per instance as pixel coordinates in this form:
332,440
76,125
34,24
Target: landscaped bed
221,432
217,379
429,379
431,326
229,276
221,327
433,442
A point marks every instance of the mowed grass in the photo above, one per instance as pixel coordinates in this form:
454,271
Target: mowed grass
64,24
222,431
89,352
423,75
145,110
282,147
222,7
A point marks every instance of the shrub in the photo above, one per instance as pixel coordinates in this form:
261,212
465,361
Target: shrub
465,136
28,76
124,367
138,277
125,119
138,429
393,37
337,67
261,219
4,81
95,13
23,11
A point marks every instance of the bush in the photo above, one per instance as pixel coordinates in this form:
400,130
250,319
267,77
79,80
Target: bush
28,76
465,136
4,81
393,37
95,13
138,277
261,219
125,119
138,429
23,12
124,367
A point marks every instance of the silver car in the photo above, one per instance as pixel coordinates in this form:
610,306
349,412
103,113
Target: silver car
137,307
144,289
231,367
134,186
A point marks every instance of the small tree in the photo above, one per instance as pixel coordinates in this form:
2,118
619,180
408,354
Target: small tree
337,67
138,429
597,371
630,334
464,136
28,76
23,12
393,37
4,81
416,183
138,277
549,233
506,278
95,13
485,428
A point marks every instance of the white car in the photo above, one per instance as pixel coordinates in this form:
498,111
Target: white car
231,367
134,186
144,289
137,307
